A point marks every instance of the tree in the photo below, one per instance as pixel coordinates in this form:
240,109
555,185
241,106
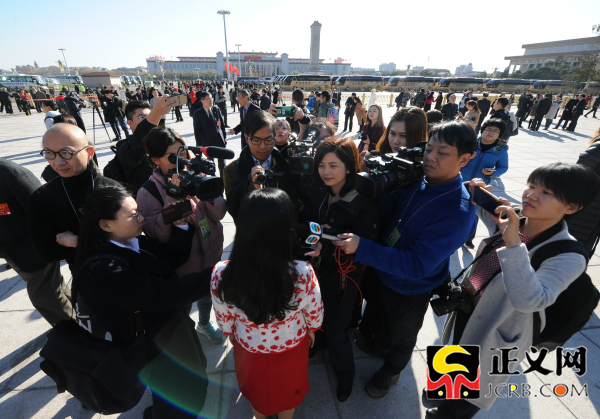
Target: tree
505,73
427,73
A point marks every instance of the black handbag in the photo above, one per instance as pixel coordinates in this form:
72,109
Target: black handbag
101,374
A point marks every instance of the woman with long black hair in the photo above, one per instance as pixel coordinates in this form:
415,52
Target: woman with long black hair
269,304
121,278
334,203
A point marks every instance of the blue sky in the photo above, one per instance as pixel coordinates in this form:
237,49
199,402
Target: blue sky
114,33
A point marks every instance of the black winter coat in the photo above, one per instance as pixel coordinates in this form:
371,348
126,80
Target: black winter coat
585,225
543,107
355,213
132,157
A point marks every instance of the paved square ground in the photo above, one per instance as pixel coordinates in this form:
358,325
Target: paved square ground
25,391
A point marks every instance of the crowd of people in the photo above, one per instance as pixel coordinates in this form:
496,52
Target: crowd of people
280,298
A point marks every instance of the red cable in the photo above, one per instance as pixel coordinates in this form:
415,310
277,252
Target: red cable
345,267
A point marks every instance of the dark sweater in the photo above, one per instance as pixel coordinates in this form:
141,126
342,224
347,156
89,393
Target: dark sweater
50,212
17,184
420,258
132,156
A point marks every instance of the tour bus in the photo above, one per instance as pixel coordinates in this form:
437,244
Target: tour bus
17,81
543,85
249,79
52,81
358,83
459,84
509,85
398,84
67,80
306,82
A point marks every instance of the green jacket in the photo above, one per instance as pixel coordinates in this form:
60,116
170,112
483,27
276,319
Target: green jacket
324,109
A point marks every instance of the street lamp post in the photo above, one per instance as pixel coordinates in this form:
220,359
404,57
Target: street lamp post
239,57
63,53
225,12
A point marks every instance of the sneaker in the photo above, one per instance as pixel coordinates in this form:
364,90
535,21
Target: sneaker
213,333
379,385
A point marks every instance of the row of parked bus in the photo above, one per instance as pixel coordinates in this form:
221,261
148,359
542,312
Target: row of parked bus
399,83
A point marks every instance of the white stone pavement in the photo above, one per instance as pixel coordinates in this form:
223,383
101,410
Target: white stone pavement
25,392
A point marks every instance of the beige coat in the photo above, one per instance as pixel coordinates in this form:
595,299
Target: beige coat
361,113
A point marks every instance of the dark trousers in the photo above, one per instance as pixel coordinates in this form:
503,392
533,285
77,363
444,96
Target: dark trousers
223,109
8,106
348,117
478,127
38,106
178,113
404,315
44,288
562,119
26,107
573,123
456,409
548,123
537,122
234,104
594,109
18,102
427,107
338,315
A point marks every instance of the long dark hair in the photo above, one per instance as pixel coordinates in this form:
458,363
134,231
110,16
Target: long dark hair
346,151
102,204
158,140
258,278
415,121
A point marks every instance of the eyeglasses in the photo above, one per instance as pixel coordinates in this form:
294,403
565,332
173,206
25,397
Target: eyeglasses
492,131
64,154
268,141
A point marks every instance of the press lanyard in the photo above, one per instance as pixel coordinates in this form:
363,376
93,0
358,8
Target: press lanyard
395,234
69,198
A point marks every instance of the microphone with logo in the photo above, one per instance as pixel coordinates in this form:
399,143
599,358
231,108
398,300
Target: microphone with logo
311,234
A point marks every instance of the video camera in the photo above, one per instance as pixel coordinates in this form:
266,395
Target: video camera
454,298
205,188
302,152
391,172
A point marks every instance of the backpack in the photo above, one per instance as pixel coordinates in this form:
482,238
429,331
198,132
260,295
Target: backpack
101,374
573,307
114,169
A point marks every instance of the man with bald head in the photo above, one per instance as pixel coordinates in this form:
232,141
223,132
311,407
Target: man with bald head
54,209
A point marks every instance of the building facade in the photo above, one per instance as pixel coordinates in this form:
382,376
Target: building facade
387,67
263,64
543,53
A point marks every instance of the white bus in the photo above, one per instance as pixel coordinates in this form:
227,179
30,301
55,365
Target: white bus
66,80
17,81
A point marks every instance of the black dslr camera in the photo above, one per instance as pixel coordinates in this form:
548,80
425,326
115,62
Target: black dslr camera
392,171
302,152
267,176
204,188
455,298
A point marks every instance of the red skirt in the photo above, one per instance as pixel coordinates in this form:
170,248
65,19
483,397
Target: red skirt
273,382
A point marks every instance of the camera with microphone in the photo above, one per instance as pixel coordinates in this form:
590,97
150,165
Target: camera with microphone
392,171
302,152
205,188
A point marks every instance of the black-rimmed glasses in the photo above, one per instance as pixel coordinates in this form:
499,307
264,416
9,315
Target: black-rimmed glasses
64,154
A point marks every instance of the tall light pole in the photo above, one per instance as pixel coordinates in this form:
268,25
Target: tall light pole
63,52
225,12
239,57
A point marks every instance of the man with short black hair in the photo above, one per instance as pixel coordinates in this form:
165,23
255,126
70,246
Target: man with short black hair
221,102
349,112
419,99
542,108
113,113
209,128
265,101
577,112
484,107
500,112
412,255
246,109
450,109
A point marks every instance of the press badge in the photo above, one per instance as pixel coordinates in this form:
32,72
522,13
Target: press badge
4,210
393,237
204,227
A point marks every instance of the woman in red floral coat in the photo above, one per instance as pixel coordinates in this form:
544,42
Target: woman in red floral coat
269,304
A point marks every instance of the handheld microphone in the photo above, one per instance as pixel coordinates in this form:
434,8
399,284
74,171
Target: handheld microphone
312,233
212,152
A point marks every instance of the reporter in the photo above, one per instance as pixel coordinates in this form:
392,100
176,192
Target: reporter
257,157
205,221
373,129
503,309
299,121
490,160
282,135
269,304
334,203
407,128
412,255
119,273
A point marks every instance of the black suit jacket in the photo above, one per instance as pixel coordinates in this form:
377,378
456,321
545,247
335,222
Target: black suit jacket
265,102
543,107
251,108
580,107
484,106
206,129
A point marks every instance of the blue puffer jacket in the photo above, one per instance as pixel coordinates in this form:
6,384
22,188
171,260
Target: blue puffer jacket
496,157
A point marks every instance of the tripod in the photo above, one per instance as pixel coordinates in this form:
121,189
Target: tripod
101,120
